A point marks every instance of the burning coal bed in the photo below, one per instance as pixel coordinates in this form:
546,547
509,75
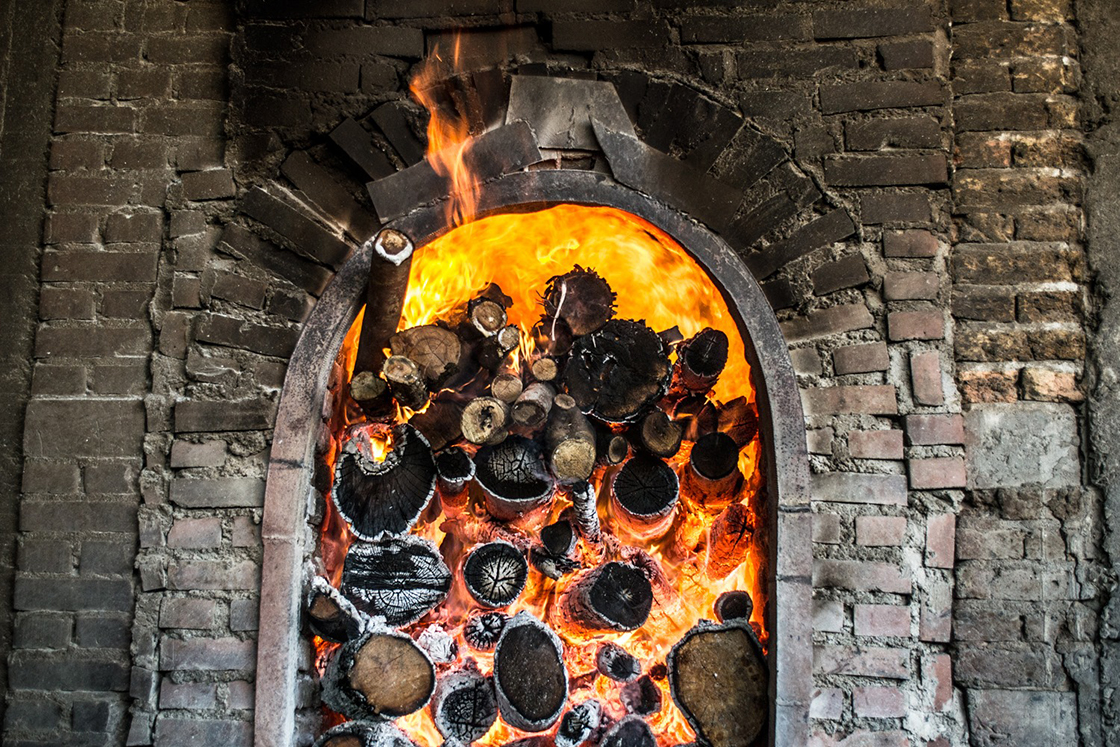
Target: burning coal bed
531,519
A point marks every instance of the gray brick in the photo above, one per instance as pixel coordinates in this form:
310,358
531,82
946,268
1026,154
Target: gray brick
91,716
52,477
244,614
66,303
873,399
191,696
33,715
134,227
100,266
207,654
856,23
102,632
239,289
393,41
212,184
907,207
196,416
99,557
225,492
589,36
189,454
77,516
36,630
173,732
1024,718
306,236
195,534
45,556
92,342
886,170
258,338
866,661
73,594
33,671
891,94
848,272
827,322
213,574
194,614
852,487
897,132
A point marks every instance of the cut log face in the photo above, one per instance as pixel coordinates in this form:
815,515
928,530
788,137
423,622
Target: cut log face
482,630
493,351
631,731
364,734
643,496
455,469
659,435
739,420
613,374
495,574
579,723
464,707
544,369
533,405
612,597
434,349
372,395
529,674
700,361
387,497
719,679
559,538
381,675
507,387
570,441
734,605
400,578
406,382
485,420
513,477
581,298
331,616
712,480
616,663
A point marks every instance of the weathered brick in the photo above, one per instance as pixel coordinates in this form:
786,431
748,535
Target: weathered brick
588,36
77,516
925,378
889,94
212,184
242,695
183,49
869,400
33,671
191,696
34,715
940,540
201,84
70,595
985,189
855,23
393,41
193,614
195,534
47,556
107,119
58,380
880,531
1023,581
244,614
879,444
213,574
239,289
206,654
843,273
990,39
134,227
907,55
70,189
107,558
1022,668
1000,111
979,539
802,63
984,303
246,532
827,704
860,575
177,732
897,207
869,661
51,477
1046,385
97,631
38,630
925,430
827,322
825,230
81,428
909,286
911,244
985,622
73,154
975,343
937,472
864,358
189,454
1048,306
67,228
223,492
989,385
826,528
886,170
806,361
99,266
878,702
143,84
737,29
896,132
1024,717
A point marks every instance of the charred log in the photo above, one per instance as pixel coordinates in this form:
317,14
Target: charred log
700,361
739,420
581,298
330,615
400,578
641,697
644,495
730,539
381,675
507,387
406,382
733,605
533,405
631,731
386,497
455,469
553,566
719,679
483,629
364,734
388,283
559,538
612,448
660,435
579,723
570,441
463,707
513,478
697,416
372,395
616,663
613,374
495,574
612,597
552,336
437,351
493,351
529,674
440,423
485,314
582,495
711,480
671,336
485,420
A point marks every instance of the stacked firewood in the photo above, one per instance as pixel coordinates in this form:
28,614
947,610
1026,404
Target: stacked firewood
502,441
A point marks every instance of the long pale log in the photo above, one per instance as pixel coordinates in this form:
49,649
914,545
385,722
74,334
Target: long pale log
569,441
388,282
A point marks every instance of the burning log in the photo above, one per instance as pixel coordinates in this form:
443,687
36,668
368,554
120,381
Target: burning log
581,298
513,478
612,597
386,497
733,605
364,734
616,663
552,336
631,731
485,420
730,539
495,574
455,469
483,629
507,387
372,395
388,282
559,538
698,417
712,478
399,578
492,351
553,566
719,679
544,369
644,495
440,422
579,723
406,382
700,361
641,697
435,350
381,675
485,314
738,420
438,644
330,615
463,707
612,447
671,336
570,441
529,674
533,405
613,374
659,435
582,495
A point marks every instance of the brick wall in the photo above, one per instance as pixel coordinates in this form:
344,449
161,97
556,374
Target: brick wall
911,179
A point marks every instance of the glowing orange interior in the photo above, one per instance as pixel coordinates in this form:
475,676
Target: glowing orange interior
655,280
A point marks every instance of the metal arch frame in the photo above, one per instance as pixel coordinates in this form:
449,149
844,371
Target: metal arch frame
288,539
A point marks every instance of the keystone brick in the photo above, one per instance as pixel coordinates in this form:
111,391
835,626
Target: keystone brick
909,286
206,654
898,132
880,531
890,94
869,400
225,492
878,702
311,277
886,171
888,663
860,358
843,273
880,444
306,236
937,472
827,322
865,23
860,575
926,430
589,36
940,540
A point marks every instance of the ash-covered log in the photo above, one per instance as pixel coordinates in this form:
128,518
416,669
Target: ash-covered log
616,663
440,645
406,382
463,707
400,578
495,574
700,361
585,510
612,597
530,678
719,679
513,478
614,373
507,387
570,441
330,615
579,723
388,283
659,435
642,697
552,336
712,480
386,497
364,734
581,298
631,731
372,395
381,675
733,605
454,469
485,420
436,350
483,629
644,495
440,422
739,420
729,540
492,352
533,405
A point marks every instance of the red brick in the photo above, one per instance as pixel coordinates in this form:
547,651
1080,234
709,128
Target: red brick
927,430
876,399
916,325
864,358
937,472
880,531
878,702
207,654
880,444
938,671
935,623
940,540
882,620
907,286
827,704
827,322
